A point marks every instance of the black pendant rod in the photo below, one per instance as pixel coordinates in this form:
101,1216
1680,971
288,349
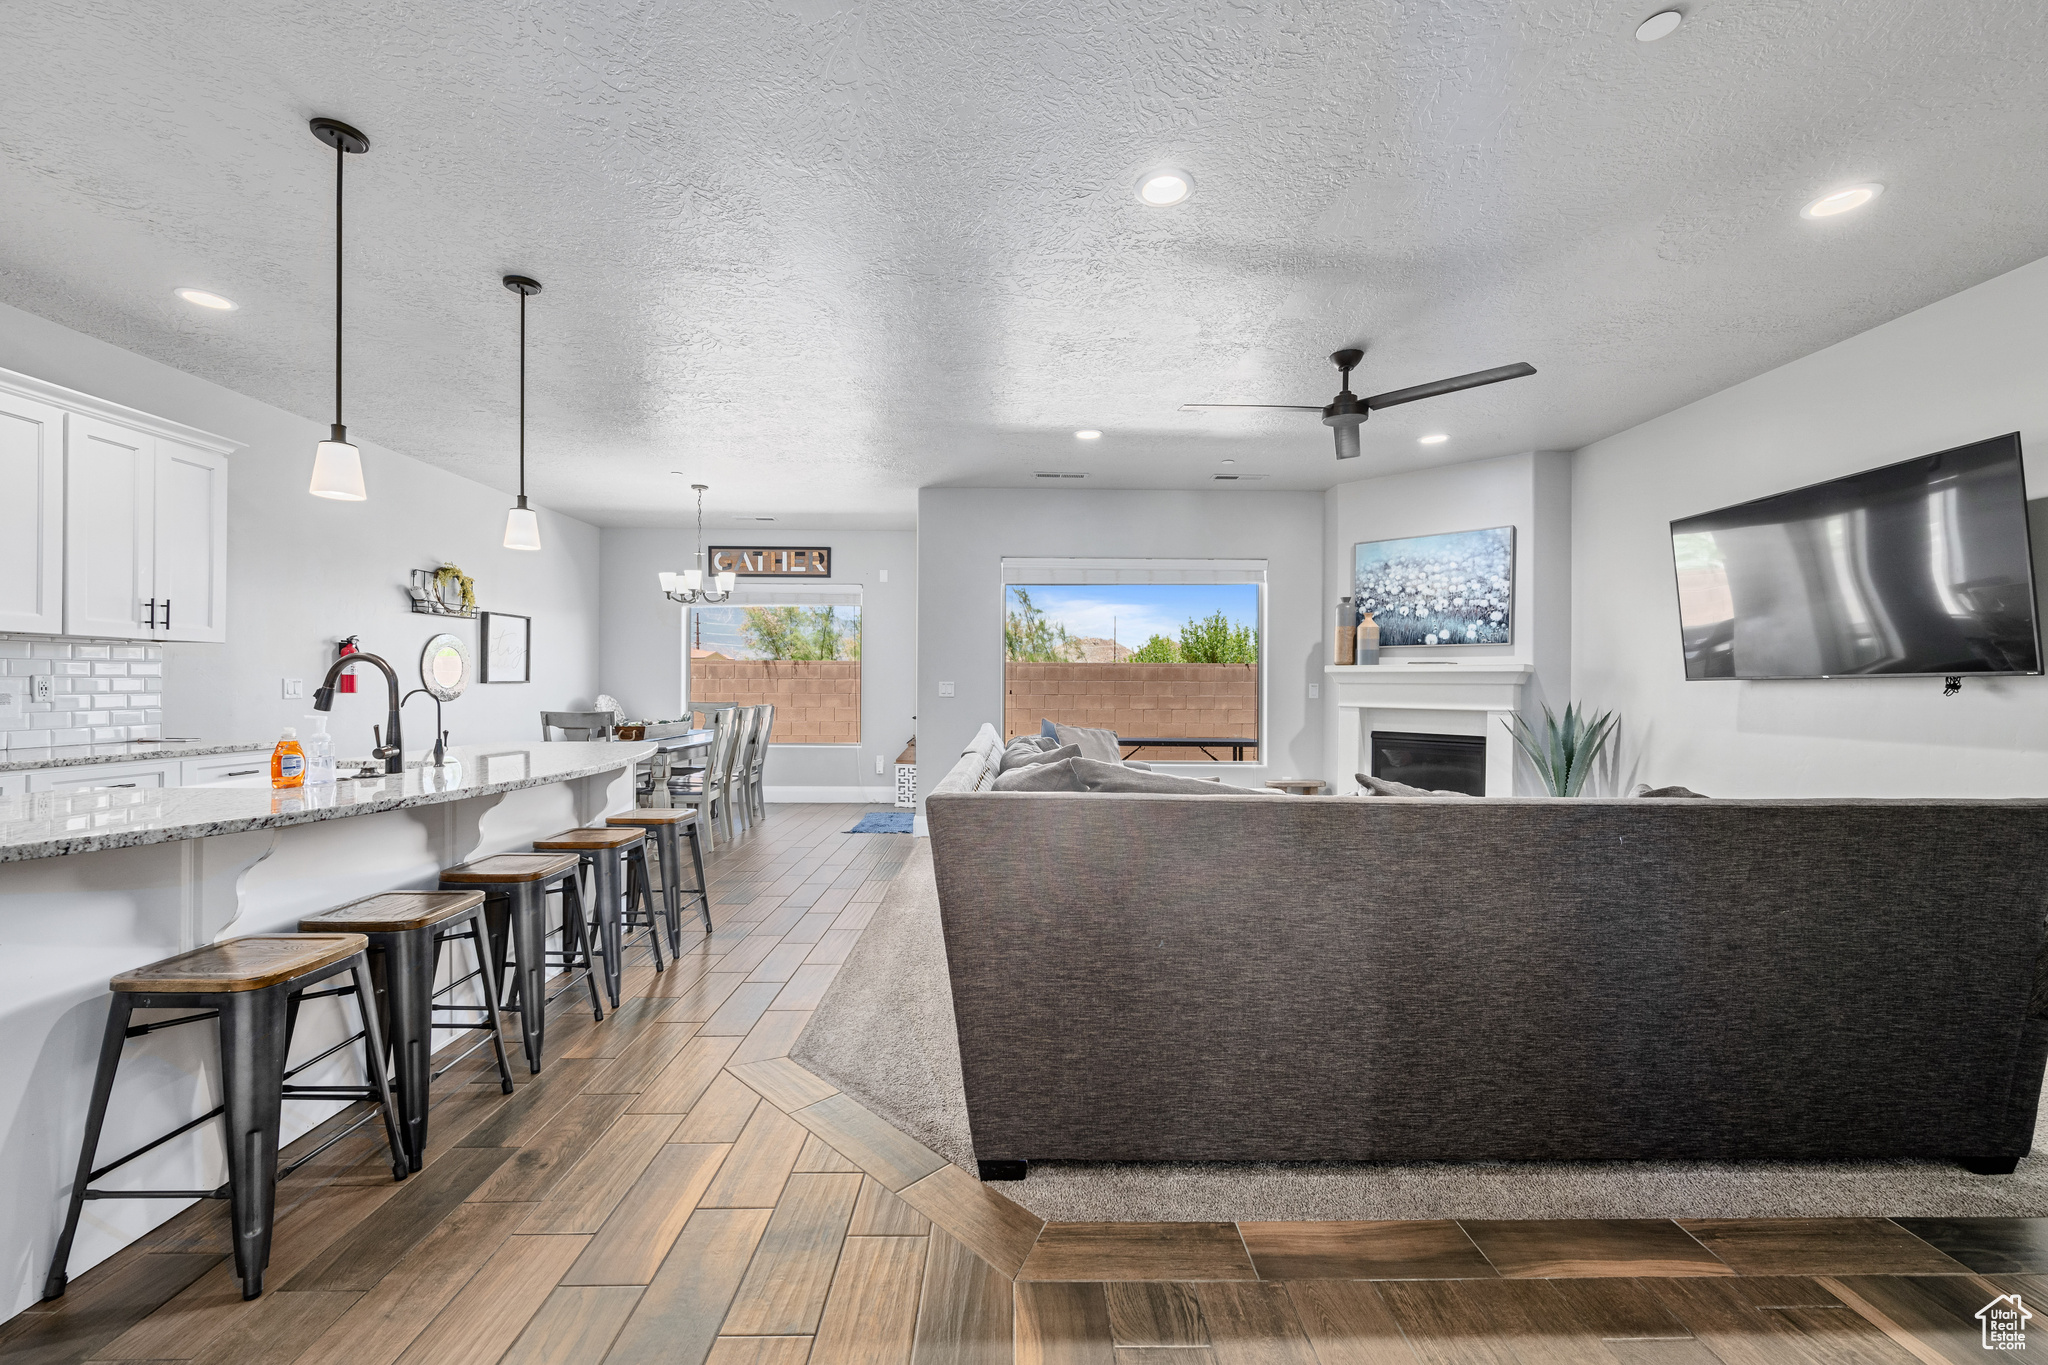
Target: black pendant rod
340,160
522,398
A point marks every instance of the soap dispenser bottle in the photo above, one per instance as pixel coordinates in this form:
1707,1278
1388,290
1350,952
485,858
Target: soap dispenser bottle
288,761
319,753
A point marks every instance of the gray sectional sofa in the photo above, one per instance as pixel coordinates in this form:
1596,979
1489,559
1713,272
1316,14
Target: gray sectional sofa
1239,977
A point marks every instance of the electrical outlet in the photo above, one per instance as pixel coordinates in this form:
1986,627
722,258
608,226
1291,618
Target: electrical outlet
294,687
878,765
945,689
1314,690
42,687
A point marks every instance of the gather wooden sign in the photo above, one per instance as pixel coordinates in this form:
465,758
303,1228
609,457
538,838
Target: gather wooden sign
772,561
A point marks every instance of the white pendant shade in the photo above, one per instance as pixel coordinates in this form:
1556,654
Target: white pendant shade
522,529
337,472
726,581
668,582
693,579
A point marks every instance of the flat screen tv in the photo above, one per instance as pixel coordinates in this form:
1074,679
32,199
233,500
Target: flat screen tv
1921,567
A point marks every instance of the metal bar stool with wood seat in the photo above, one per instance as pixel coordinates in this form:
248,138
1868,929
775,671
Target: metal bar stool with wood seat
516,888
669,827
610,854
406,930
253,985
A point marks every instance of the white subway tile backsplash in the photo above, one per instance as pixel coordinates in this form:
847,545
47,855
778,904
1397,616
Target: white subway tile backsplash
89,679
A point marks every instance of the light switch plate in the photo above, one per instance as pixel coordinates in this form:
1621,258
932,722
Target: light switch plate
884,573
294,687
945,689
1314,690
42,687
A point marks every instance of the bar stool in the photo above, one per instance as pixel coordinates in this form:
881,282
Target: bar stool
609,854
516,888
406,930
253,985
669,827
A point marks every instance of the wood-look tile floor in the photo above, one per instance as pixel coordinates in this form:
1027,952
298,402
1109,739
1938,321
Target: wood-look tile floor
672,1188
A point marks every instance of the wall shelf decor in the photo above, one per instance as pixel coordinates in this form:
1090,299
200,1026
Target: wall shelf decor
446,591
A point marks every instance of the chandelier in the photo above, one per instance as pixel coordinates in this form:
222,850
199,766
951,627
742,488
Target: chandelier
688,587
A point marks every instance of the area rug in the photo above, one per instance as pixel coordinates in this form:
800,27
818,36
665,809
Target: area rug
884,1034
884,822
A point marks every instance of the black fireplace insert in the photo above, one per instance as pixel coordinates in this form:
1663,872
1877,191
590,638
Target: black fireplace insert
1455,763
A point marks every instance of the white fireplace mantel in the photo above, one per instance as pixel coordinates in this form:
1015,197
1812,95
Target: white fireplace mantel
1451,697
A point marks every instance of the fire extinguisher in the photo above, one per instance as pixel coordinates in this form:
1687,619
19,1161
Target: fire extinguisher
349,646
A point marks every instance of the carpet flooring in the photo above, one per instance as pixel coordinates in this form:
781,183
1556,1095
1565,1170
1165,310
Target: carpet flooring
884,1034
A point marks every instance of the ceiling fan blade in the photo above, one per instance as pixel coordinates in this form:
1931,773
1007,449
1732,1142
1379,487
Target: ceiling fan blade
1441,386
1275,407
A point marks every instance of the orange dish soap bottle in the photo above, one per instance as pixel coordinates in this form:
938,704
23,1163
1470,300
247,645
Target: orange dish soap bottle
288,761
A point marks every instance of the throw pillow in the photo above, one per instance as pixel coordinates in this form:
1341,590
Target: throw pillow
1380,786
1099,745
1645,789
1020,757
1090,775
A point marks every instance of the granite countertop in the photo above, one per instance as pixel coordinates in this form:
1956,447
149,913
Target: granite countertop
129,751
52,824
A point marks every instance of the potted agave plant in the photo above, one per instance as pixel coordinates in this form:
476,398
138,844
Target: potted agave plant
1564,753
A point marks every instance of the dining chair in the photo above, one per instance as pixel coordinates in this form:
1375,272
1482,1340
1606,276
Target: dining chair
700,786
730,780
757,775
575,725
742,764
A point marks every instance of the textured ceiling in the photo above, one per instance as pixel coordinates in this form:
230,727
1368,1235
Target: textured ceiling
818,254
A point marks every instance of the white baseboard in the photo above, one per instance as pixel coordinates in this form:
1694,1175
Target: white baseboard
837,796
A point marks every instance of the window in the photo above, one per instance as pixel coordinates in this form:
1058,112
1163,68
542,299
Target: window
799,651
1165,650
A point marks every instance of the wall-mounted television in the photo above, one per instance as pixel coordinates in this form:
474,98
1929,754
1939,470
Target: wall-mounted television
1920,567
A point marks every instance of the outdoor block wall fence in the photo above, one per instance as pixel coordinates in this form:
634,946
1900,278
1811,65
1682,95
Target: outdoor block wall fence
1207,700
815,702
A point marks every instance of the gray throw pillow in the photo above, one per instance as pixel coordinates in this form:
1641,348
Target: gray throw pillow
1099,745
1141,767
1017,756
1379,786
1645,789
1089,775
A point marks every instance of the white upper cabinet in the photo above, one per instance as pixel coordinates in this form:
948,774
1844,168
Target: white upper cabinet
31,515
190,538
113,523
109,525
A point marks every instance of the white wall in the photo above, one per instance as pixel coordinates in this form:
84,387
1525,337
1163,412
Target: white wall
1965,368
304,571
642,647
964,534
1532,493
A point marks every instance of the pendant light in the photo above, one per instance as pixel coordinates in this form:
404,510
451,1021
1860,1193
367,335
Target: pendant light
689,586
337,465
522,526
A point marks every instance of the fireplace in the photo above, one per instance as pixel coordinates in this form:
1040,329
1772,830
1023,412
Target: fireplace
1454,763
1466,702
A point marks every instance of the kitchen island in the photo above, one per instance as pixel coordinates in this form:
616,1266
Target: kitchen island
100,880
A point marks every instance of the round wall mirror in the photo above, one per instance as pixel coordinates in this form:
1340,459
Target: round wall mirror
445,667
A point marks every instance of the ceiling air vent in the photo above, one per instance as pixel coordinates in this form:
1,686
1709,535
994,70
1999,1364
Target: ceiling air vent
1050,474
1236,478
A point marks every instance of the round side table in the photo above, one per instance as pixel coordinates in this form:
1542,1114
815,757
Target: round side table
1299,786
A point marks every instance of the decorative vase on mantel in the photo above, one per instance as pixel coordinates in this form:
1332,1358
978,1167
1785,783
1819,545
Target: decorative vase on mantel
1368,639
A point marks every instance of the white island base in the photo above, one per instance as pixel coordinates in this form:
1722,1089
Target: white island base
94,883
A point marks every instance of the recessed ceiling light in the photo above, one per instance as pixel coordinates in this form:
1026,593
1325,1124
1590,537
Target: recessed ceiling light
1435,438
1090,435
206,300
1230,462
1841,201
1659,26
1164,189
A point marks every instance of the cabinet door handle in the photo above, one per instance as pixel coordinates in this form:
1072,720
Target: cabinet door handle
167,613
117,784
243,772
152,614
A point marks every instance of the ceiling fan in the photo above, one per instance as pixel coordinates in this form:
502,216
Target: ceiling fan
1347,412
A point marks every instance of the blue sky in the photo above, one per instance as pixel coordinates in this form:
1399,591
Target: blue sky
1139,611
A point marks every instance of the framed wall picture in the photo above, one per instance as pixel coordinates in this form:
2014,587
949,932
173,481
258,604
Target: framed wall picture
1451,589
506,646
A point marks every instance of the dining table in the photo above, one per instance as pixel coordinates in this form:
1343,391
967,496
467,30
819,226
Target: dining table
669,738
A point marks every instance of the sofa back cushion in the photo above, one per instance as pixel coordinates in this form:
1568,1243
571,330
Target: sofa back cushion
1074,774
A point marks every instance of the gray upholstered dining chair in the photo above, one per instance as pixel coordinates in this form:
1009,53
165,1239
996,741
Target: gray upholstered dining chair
575,725
757,772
